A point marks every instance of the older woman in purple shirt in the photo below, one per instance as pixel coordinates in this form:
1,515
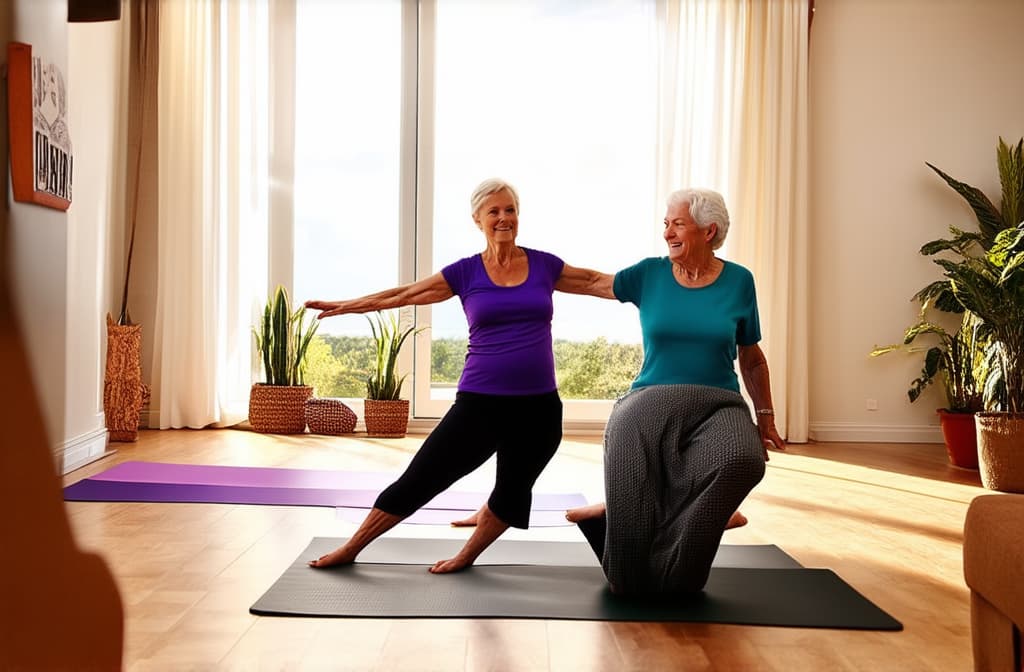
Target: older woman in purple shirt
509,376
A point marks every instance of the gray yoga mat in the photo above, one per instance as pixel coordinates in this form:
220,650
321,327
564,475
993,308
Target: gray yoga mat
415,551
352,514
758,586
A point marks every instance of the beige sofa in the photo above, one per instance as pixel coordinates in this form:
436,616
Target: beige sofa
994,570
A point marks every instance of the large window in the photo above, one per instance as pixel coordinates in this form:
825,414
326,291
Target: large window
529,91
347,164
555,97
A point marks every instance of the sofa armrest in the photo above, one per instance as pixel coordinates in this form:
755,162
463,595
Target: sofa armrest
994,552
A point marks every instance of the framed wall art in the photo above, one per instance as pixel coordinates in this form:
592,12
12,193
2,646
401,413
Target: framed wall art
41,157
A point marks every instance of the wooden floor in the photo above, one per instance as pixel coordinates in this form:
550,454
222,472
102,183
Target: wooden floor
887,518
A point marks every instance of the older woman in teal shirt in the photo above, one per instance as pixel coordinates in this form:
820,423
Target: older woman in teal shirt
682,449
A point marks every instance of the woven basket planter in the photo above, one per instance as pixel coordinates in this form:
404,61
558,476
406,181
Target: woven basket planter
1001,450
278,409
124,393
386,419
329,416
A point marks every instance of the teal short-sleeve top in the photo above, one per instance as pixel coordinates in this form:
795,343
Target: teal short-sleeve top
690,335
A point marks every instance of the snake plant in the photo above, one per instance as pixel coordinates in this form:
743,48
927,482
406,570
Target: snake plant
384,383
282,340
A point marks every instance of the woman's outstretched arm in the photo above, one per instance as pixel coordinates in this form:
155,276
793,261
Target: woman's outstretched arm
585,281
420,293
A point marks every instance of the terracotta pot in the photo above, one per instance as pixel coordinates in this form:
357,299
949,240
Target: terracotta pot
1001,450
961,438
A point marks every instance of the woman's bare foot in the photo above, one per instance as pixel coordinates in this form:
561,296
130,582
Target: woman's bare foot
467,522
339,556
451,565
585,512
737,519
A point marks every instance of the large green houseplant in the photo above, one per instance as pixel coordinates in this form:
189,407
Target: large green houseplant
960,357
282,340
385,413
992,287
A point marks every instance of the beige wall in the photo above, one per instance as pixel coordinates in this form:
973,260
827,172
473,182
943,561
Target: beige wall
94,59
58,260
38,238
895,83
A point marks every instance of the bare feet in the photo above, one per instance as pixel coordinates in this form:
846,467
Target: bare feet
339,556
467,522
488,528
451,565
585,512
737,519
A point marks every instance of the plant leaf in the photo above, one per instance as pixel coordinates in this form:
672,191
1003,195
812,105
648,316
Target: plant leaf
990,220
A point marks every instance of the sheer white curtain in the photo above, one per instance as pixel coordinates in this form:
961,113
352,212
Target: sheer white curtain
212,223
732,116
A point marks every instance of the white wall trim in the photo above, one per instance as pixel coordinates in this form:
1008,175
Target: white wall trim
857,433
81,450
819,431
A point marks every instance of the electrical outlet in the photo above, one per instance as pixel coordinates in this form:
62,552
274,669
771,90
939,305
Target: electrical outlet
872,404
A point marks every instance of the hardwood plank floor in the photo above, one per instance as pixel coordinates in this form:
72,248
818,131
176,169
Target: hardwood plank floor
887,518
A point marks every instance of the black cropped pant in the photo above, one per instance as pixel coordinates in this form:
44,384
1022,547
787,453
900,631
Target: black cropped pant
524,431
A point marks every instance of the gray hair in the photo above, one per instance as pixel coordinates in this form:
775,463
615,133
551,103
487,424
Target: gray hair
706,207
489,188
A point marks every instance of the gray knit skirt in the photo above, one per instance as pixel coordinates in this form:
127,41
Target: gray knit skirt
679,460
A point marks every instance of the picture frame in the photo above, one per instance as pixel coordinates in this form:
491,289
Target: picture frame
42,161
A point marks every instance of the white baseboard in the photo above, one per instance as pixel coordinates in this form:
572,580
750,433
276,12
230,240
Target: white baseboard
81,450
819,431
857,433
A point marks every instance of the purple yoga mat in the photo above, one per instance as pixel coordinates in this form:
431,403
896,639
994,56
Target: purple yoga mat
98,490
446,516
89,490
267,477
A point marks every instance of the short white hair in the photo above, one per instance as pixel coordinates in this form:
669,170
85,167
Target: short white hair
706,207
490,187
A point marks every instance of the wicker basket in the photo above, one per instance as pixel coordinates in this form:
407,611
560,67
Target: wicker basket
1001,450
124,393
329,416
386,419
278,409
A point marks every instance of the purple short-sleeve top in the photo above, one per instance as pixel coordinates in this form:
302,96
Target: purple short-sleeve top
510,350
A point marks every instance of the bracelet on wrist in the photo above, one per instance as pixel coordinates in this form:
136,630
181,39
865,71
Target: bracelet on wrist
766,411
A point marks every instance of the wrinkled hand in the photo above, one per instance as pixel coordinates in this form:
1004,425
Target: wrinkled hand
327,308
770,438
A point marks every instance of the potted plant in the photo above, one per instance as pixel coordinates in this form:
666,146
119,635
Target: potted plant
385,413
971,342
277,406
957,359
992,287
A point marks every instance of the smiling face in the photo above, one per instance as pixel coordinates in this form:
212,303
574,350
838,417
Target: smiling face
497,218
686,240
